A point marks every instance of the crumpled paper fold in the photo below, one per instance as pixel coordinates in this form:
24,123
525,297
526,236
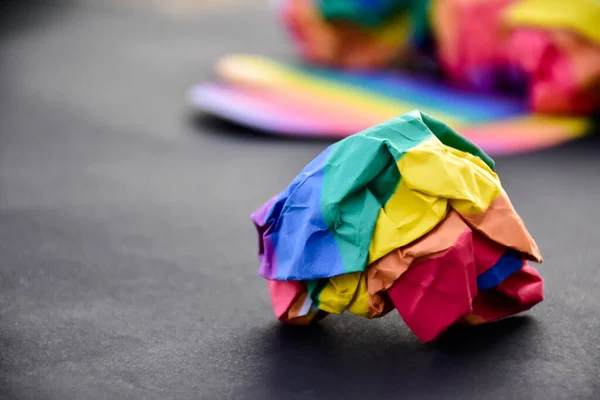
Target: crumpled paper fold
408,215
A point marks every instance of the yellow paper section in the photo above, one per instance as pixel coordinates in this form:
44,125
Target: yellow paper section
581,16
433,176
346,292
360,304
406,217
340,292
396,32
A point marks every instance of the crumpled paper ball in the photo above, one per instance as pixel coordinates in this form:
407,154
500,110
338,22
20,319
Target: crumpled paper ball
353,34
548,52
408,215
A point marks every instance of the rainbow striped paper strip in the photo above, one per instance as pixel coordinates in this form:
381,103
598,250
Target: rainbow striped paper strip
365,215
292,100
385,94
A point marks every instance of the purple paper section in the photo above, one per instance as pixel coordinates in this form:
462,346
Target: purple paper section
495,80
266,248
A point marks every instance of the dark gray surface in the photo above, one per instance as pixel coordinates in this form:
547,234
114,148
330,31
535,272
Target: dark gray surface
128,268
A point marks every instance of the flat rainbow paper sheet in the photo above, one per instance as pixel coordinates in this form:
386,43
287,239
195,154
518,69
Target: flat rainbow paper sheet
407,214
296,100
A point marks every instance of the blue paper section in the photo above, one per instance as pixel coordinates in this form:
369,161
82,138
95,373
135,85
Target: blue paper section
305,247
510,262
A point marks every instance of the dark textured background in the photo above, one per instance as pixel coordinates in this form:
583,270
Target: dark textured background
128,264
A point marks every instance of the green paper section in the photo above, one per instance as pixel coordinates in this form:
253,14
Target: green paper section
362,12
314,288
350,206
373,13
